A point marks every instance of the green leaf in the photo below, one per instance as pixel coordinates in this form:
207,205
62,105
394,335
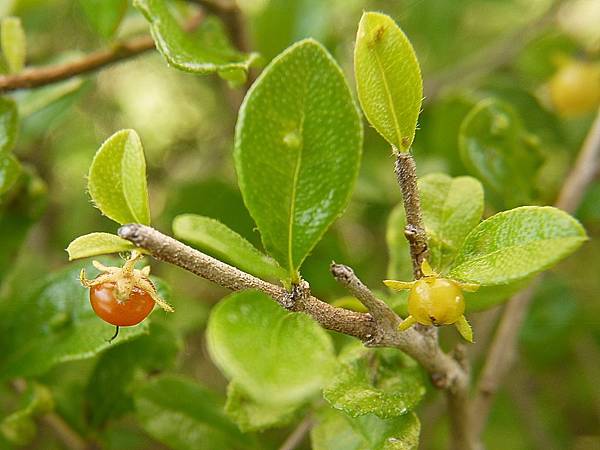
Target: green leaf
117,179
185,416
336,431
452,207
104,15
251,415
275,356
384,382
222,242
53,322
110,387
13,43
36,100
513,245
388,79
297,150
10,169
95,244
9,124
206,50
496,149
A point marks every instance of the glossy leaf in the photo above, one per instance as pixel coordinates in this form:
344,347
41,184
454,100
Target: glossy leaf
275,356
206,50
104,15
388,79
297,150
117,179
451,208
222,242
185,416
10,170
53,322
252,415
336,431
496,149
110,387
95,244
513,245
13,43
383,382
9,124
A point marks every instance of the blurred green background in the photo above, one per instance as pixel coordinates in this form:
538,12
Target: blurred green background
186,122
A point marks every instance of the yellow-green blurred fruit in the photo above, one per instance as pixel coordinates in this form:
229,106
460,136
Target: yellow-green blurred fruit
436,301
575,88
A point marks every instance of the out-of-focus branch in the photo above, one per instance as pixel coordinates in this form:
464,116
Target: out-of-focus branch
504,345
298,435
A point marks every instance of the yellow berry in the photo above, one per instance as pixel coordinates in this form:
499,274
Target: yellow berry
575,88
436,301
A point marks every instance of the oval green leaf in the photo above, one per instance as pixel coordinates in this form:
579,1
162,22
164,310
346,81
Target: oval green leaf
222,242
515,244
10,169
117,179
297,150
206,50
496,149
13,43
9,124
95,244
275,356
388,79
104,15
383,382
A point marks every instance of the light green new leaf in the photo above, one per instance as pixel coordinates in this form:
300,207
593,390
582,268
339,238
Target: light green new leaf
297,150
384,382
117,179
496,149
251,415
13,43
223,243
336,431
388,79
452,207
185,416
104,15
515,244
95,244
9,124
52,322
276,357
206,50
10,169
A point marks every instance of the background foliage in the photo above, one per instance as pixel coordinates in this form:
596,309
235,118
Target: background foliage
157,385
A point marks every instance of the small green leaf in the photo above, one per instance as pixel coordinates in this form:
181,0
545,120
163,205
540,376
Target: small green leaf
452,207
95,244
9,124
297,150
384,382
36,100
222,242
275,356
250,415
104,15
13,43
336,431
513,245
10,169
206,50
53,322
110,387
388,79
495,148
117,179
185,416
